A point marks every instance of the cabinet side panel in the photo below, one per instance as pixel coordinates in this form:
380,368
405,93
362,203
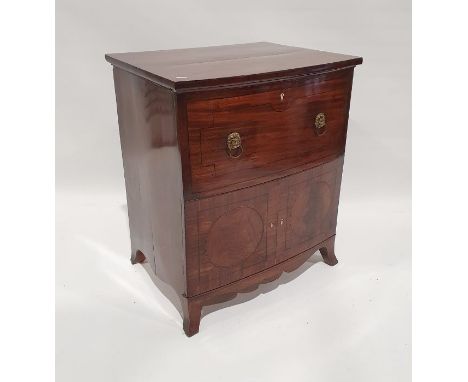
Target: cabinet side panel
153,174
132,141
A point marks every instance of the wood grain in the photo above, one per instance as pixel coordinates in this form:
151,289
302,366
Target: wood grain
277,128
194,305
236,234
210,225
193,68
153,176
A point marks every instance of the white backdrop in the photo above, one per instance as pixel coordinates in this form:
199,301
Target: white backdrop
347,323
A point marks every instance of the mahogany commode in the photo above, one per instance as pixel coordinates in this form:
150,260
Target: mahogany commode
233,158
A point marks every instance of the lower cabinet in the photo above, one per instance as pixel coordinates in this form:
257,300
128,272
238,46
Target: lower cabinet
239,233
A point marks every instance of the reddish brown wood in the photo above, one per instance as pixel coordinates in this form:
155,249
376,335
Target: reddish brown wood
240,233
191,316
310,207
210,225
277,128
193,305
152,169
328,252
218,227
137,257
189,69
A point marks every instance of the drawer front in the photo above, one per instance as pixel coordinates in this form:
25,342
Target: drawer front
238,139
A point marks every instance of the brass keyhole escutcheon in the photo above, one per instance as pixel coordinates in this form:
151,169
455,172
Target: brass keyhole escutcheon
234,145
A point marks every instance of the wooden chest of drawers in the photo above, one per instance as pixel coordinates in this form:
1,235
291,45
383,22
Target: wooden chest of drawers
233,158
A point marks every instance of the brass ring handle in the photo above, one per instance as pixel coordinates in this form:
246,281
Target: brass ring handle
320,123
234,145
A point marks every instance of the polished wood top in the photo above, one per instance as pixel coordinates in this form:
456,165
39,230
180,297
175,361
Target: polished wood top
228,65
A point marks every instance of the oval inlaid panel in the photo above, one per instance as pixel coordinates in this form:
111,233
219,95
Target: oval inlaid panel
234,237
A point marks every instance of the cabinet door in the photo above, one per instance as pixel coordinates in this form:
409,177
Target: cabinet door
308,209
230,236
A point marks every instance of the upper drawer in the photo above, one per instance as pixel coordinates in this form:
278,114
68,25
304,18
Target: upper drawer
259,135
